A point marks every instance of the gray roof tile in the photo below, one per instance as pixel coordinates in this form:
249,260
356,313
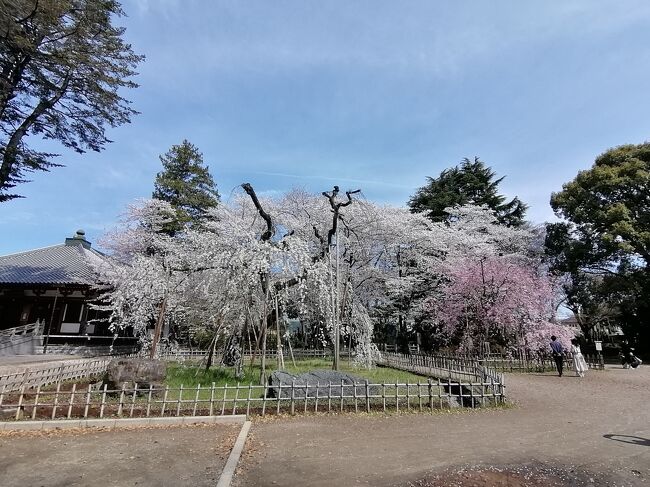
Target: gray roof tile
58,264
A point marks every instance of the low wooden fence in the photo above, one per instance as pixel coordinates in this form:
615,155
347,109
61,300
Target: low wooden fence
193,354
88,401
440,366
532,364
36,375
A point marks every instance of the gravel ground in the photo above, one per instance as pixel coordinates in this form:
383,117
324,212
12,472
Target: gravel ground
191,456
562,432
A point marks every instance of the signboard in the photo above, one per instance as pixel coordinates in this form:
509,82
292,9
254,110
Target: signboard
599,346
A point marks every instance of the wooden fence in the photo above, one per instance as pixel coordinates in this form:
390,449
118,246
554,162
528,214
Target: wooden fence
36,375
193,354
88,401
458,369
501,363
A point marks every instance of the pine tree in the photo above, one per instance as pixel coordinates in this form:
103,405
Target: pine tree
472,182
186,183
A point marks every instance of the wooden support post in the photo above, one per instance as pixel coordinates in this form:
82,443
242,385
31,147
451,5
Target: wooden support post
196,399
135,392
121,405
90,388
101,408
56,399
74,388
179,401
212,399
149,400
38,392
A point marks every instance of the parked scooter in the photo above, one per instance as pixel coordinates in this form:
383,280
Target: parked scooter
629,360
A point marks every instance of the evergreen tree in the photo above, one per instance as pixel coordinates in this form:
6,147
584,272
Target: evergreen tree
603,246
64,66
185,183
472,182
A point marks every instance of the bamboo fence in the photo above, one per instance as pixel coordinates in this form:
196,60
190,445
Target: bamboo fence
88,401
36,375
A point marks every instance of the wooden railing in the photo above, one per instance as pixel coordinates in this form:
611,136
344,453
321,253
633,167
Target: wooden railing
29,329
451,368
502,363
36,375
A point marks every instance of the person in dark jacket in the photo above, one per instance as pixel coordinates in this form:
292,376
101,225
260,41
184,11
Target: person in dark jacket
558,354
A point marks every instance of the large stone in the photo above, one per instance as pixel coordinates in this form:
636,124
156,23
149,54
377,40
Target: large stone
144,372
322,382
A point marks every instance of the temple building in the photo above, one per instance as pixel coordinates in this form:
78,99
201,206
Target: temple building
51,286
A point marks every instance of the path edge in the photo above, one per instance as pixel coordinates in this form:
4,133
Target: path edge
228,471
63,424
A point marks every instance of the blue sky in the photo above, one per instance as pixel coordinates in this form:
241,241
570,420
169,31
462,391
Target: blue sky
370,94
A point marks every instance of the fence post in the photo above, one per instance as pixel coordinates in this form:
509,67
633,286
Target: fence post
101,408
179,401
264,395
212,399
367,397
196,399
248,399
234,403
396,396
56,399
38,392
20,402
121,405
90,387
329,397
306,395
164,402
74,388
135,391
149,400
223,401
293,386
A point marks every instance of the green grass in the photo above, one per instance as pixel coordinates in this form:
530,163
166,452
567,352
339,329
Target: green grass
190,375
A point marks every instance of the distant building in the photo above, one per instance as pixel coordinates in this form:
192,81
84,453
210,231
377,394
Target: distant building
52,286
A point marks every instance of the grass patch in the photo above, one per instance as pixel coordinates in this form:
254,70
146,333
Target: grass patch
191,375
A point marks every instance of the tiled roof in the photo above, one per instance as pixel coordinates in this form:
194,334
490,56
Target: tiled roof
58,264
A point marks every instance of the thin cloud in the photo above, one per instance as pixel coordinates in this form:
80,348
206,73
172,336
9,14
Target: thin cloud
326,178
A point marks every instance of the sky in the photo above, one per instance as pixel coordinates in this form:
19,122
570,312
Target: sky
371,95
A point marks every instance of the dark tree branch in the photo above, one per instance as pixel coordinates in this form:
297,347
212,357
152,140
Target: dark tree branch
267,218
336,208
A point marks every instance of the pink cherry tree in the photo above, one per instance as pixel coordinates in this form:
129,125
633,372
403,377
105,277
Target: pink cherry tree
503,300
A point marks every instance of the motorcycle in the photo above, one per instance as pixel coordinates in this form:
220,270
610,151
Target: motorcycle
629,360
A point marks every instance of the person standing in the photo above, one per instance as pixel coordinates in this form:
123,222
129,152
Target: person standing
579,363
558,354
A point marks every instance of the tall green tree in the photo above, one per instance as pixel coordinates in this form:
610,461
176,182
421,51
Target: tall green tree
186,183
63,66
604,244
471,182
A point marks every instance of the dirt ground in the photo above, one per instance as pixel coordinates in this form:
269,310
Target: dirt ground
562,432
170,456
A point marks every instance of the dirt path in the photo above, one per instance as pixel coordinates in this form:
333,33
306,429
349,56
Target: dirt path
559,423
191,456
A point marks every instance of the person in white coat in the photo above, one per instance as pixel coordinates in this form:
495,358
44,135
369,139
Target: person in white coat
579,363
